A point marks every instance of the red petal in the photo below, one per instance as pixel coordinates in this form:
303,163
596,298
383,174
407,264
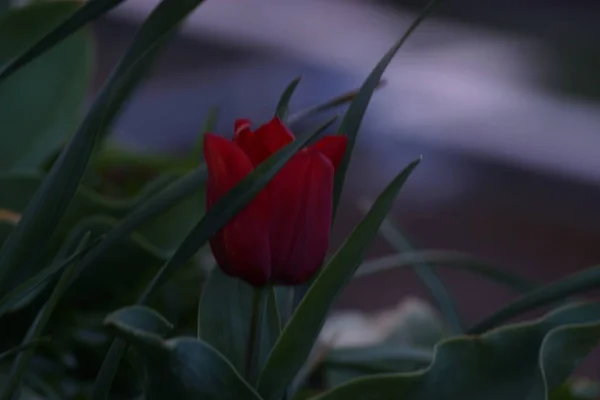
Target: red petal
241,125
332,147
241,248
301,210
274,134
254,148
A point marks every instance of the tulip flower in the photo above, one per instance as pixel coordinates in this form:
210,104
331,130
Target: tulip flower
282,235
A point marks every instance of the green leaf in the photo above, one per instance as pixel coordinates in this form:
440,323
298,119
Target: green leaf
21,363
224,319
326,106
426,274
182,368
283,105
503,364
137,318
26,346
18,294
228,206
224,316
297,339
579,282
54,196
353,118
210,124
378,358
40,41
53,88
448,259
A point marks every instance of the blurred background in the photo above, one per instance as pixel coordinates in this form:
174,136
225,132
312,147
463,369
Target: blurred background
501,98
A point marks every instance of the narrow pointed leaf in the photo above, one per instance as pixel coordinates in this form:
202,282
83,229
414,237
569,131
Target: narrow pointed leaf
580,282
353,118
328,105
297,339
23,290
284,102
426,274
448,259
90,11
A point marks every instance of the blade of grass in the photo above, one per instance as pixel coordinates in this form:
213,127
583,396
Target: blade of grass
228,206
25,346
90,11
330,104
210,123
353,118
392,234
283,106
21,363
447,259
53,197
14,296
579,282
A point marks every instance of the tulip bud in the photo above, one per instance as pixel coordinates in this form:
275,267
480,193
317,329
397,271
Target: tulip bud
283,234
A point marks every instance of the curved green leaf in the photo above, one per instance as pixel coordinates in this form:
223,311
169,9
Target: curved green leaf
354,116
297,339
448,259
133,319
41,39
284,102
427,274
53,88
506,363
579,282
181,368
330,104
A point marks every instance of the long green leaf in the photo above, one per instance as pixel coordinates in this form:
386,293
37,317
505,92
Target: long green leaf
228,206
383,354
328,105
507,363
297,339
54,196
284,102
90,11
17,294
25,346
350,125
60,80
448,259
224,316
20,364
580,282
426,274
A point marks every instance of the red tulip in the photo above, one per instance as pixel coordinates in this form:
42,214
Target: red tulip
283,234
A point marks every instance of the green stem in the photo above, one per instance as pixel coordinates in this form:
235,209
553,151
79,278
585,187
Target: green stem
254,339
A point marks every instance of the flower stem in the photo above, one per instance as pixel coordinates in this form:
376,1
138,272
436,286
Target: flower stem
254,339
